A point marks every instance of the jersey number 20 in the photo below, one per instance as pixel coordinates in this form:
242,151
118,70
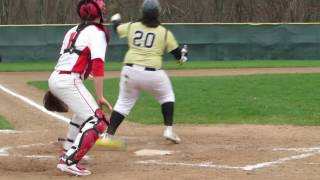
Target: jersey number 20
144,39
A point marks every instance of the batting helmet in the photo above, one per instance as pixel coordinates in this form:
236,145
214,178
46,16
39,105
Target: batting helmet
151,8
89,10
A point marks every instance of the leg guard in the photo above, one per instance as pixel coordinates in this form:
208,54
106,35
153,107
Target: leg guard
72,133
89,133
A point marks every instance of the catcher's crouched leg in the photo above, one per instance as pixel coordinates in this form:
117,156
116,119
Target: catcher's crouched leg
89,133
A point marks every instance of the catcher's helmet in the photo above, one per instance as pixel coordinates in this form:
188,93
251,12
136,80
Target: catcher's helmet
151,8
89,10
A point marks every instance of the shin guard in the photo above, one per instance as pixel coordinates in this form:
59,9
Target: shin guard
89,133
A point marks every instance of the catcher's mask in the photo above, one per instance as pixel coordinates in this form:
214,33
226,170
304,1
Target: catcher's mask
151,9
89,10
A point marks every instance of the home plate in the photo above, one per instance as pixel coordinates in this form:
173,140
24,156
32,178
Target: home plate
152,152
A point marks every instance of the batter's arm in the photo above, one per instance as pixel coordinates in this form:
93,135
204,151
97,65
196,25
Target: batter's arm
181,54
176,53
172,46
115,26
115,19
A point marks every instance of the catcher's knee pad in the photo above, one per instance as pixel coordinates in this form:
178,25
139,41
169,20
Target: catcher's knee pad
103,122
89,133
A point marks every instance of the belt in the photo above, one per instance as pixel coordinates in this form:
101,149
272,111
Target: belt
70,50
71,73
145,68
65,72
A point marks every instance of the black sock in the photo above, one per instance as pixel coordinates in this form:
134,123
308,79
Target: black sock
167,113
115,120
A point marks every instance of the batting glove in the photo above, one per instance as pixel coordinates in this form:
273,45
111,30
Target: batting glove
184,54
116,18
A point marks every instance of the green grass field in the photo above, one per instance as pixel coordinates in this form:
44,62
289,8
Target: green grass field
4,124
260,99
192,64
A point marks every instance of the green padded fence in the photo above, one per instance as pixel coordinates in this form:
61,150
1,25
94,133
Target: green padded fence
205,41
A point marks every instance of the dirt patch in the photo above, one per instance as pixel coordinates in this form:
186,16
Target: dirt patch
206,152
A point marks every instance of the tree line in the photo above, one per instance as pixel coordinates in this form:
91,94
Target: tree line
172,11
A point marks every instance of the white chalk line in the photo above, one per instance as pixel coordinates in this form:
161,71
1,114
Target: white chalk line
203,164
311,152
8,131
44,157
33,104
36,156
317,148
279,161
313,163
11,131
4,150
29,156
24,146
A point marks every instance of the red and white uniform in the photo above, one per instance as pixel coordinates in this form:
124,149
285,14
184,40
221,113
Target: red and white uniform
92,42
66,82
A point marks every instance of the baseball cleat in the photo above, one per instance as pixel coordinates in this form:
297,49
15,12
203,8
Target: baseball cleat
171,136
110,142
74,169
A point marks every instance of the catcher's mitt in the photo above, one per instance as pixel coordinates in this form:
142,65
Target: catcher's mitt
52,103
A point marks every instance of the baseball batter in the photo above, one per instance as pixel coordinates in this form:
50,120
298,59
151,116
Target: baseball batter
82,53
147,41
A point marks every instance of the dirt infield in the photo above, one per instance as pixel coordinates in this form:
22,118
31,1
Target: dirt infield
233,152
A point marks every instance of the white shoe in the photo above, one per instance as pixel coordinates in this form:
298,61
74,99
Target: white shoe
170,135
74,169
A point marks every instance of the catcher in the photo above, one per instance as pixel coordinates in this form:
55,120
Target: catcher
147,41
82,53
